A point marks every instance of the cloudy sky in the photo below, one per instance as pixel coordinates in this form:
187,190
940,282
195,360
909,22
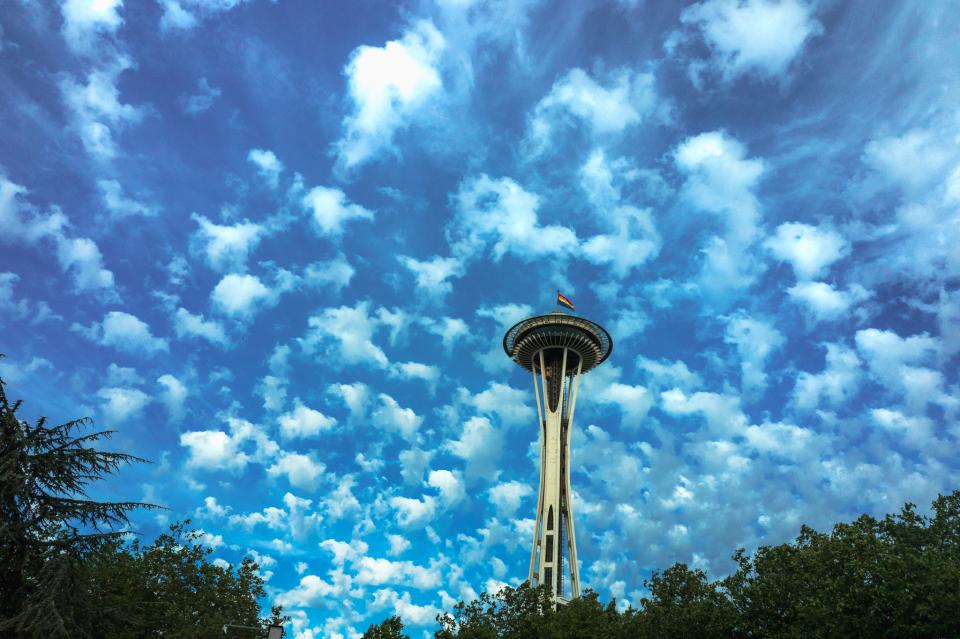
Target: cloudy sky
275,245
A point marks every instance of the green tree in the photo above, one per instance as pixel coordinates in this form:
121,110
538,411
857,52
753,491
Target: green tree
48,522
173,589
390,628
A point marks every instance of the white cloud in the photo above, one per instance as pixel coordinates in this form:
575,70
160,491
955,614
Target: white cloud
174,394
722,412
634,242
415,370
753,36
665,374
83,20
506,497
810,250
97,110
755,340
413,513
387,86
448,329
203,99
901,365
219,450
82,258
413,463
823,302
917,431
304,421
915,161
120,404
332,210
343,551
335,274
355,396
186,324
501,213
402,606
348,331
398,545
449,484
341,501
622,100
390,416
268,165
186,14
838,382
121,205
125,332
720,179
480,445
227,247
302,471
241,295
433,275
512,406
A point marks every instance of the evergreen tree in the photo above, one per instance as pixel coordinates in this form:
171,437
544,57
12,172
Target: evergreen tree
49,523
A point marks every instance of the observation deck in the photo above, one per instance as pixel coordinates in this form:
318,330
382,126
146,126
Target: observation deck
587,340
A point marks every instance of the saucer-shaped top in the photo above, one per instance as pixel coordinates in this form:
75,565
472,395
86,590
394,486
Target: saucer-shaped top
589,341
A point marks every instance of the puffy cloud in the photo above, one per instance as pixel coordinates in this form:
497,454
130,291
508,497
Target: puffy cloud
448,329
917,431
915,161
480,445
125,332
634,242
302,471
511,406
331,210
605,108
753,36
415,370
823,302
355,396
119,404
348,332
387,86
433,275
220,450
501,213
341,501
398,545
722,412
226,247
119,203
343,551
241,295
174,394
97,110
186,324
720,179
901,365
268,165
413,513
187,14
202,100
335,274
755,340
665,374
838,382
413,463
506,497
390,416
304,421
402,606
83,20
82,258
449,484
810,250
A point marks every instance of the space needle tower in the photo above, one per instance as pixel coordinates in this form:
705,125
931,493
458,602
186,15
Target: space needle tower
557,348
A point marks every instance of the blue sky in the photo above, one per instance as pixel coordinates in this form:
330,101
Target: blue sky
276,245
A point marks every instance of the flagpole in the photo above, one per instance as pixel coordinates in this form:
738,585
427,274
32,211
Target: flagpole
557,309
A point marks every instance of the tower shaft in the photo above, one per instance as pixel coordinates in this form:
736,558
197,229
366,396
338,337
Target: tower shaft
556,377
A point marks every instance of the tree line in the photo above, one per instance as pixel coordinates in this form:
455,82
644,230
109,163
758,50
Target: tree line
68,568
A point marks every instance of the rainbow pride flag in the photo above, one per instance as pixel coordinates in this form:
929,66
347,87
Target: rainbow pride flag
563,301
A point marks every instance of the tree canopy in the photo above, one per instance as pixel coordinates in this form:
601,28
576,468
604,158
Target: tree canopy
898,576
69,566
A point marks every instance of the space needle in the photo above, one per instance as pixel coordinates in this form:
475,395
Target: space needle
557,348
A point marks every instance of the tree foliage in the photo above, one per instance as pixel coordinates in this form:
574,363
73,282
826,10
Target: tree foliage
68,568
898,576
